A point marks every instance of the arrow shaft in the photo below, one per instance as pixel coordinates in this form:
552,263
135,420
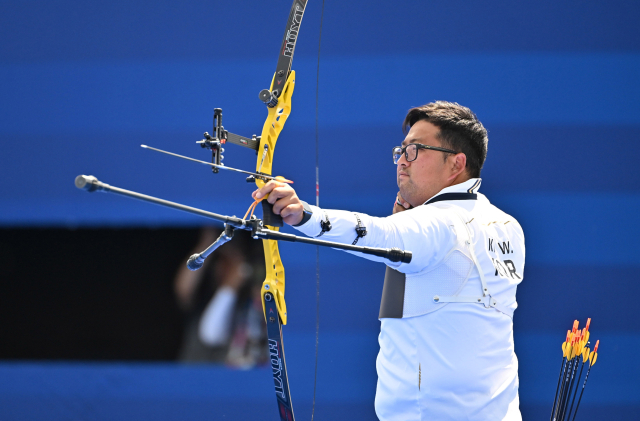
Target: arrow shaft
222,167
575,392
555,399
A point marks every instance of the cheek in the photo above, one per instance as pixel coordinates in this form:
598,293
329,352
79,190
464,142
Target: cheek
429,170
425,169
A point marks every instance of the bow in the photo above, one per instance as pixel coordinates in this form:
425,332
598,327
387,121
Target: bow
278,101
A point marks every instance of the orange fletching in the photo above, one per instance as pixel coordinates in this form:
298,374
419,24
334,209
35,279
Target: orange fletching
595,348
588,323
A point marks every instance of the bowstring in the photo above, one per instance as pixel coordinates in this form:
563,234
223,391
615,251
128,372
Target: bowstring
315,375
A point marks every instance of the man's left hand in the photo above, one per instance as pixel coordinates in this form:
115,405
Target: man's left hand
284,199
400,204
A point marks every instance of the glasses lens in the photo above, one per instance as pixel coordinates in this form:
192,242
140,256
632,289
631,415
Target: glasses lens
412,152
397,153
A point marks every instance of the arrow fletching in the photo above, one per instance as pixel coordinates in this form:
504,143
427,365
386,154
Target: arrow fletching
594,354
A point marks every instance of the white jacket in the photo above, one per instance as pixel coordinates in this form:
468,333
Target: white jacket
446,339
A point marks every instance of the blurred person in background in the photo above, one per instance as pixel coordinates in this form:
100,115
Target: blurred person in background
224,318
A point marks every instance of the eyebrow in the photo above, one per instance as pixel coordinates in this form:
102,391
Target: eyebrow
404,142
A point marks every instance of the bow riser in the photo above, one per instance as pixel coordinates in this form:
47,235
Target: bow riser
277,117
273,125
274,279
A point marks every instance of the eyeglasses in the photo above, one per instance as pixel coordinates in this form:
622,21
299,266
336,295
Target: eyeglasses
411,151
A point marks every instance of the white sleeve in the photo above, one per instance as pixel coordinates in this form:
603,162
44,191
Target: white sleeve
215,322
425,231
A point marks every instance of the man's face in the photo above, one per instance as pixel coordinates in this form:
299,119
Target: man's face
423,178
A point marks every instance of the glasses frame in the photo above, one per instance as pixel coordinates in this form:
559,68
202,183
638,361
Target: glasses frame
403,151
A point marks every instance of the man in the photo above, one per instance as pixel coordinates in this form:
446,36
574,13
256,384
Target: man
446,339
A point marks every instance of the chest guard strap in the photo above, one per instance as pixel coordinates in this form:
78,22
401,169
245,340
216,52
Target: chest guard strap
486,299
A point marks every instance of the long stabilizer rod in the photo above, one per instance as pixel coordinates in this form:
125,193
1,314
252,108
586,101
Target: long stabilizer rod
91,184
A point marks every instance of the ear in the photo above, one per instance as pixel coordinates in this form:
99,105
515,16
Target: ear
458,164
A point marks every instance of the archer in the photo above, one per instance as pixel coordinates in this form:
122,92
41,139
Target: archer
446,339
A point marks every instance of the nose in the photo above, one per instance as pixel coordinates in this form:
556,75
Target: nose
402,161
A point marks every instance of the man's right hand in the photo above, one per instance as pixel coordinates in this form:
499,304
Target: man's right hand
400,205
284,199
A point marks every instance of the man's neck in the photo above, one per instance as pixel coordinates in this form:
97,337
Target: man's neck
461,178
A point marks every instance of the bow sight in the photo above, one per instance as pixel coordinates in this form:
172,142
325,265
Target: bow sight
220,137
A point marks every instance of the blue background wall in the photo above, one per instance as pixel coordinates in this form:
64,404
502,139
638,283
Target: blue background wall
555,82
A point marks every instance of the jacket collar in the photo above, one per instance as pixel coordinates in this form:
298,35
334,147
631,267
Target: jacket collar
462,191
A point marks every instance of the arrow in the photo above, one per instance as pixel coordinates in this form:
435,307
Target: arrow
592,360
585,353
575,347
562,367
576,352
568,353
222,167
